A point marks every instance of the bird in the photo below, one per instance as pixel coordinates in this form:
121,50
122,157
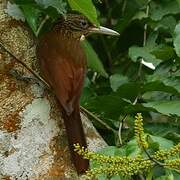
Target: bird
62,63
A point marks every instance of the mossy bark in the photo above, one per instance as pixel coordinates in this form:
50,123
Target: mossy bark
33,142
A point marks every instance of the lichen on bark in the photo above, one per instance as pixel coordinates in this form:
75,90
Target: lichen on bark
33,142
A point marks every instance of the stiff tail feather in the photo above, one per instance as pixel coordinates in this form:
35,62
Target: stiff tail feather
75,134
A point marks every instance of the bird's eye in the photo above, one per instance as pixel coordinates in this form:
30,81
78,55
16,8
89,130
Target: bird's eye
83,24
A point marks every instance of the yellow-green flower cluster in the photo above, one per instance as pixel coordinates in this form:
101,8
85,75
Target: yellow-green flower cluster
165,154
139,131
126,166
113,165
132,167
174,164
99,157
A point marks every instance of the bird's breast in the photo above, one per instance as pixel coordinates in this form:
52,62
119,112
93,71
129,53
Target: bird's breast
63,64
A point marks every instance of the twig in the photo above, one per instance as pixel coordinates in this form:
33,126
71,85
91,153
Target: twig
149,156
141,177
122,122
124,6
41,25
144,38
23,64
139,73
97,119
120,129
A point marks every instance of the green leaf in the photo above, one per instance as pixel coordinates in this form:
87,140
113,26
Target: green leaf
159,10
132,148
32,14
59,5
167,24
116,80
175,137
162,129
163,142
108,107
167,177
125,90
165,107
87,93
93,60
85,7
165,85
140,52
131,8
14,11
163,52
151,40
157,142
112,151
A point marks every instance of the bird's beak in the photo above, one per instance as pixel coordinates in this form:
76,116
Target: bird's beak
104,30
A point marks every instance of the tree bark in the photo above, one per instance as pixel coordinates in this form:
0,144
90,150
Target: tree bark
33,142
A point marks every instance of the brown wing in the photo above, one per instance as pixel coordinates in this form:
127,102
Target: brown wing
63,66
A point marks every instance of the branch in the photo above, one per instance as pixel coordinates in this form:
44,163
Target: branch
97,119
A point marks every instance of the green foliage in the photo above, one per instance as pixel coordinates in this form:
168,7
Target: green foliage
59,5
165,107
116,80
93,60
85,7
140,52
117,84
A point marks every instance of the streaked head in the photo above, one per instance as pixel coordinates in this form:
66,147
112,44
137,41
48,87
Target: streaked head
79,24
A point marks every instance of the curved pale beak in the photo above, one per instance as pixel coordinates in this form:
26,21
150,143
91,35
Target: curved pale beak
103,30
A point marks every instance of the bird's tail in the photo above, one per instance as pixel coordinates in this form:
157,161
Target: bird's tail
75,134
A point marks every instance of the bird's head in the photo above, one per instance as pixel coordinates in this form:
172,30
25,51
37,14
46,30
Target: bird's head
79,25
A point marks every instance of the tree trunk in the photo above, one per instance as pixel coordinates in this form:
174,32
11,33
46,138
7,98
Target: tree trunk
33,142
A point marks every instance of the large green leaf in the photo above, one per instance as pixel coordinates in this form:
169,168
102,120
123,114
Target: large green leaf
85,7
131,8
165,85
161,129
107,107
163,142
93,60
159,10
59,5
117,80
141,52
166,24
132,148
32,14
14,11
163,52
165,107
